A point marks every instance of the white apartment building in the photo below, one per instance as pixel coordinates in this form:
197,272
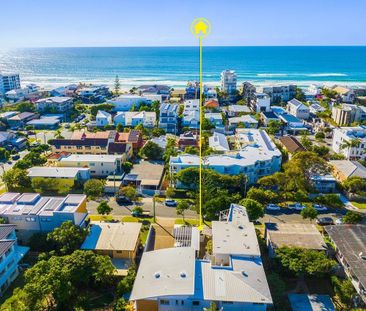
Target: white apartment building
168,118
56,104
126,101
256,156
9,82
298,109
261,102
228,81
191,114
133,118
350,141
346,114
281,93
233,276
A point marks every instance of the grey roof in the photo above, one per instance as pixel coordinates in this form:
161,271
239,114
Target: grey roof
5,245
5,229
55,172
113,236
295,235
44,121
165,272
350,241
349,168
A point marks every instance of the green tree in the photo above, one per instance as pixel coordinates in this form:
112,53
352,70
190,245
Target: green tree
117,85
345,290
352,218
151,151
273,127
119,127
25,107
209,247
299,95
104,208
262,196
207,125
320,136
156,132
17,302
129,192
120,305
127,167
309,212
355,184
67,238
191,150
302,261
4,154
254,209
182,206
94,188
126,284
17,179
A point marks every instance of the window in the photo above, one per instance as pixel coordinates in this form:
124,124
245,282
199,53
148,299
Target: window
164,302
195,303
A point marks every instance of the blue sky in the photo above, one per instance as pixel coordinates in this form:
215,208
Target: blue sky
25,23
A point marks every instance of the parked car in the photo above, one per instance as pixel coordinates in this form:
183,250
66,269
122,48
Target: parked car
139,212
15,157
67,125
325,221
122,200
171,203
320,208
296,206
339,221
273,207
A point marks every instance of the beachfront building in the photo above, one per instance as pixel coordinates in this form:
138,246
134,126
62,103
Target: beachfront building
228,81
280,94
247,91
168,119
107,142
97,91
350,142
100,165
233,276
191,114
30,92
345,114
9,82
10,255
298,109
350,244
119,241
67,90
54,104
256,156
133,118
126,102
32,213
103,118
192,90
346,94
261,102
160,91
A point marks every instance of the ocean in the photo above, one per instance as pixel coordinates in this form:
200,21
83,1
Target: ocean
50,67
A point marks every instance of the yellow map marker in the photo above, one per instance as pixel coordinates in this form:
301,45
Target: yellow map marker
200,28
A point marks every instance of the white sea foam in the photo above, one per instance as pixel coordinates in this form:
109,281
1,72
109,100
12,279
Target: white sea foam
326,75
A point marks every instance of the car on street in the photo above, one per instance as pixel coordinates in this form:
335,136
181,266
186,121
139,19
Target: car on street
15,157
123,200
171,203
273,207
325,221
67,125
296,206
339,221
320,208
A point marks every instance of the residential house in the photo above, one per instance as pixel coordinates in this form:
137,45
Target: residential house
96,91
168,119
350,244
211,104
10,140
216,119
100,165
32,213
133,118
346,94
218,142
350,141
269,116
344,169
248,90
315,107
298,109
237,110
261,102
119,241
292,125
233,276
186,139
71,175
49,123
126,102
209,93
162,91
192,90
54,104
10,255
103,118
291,145
306,236
132,137
191,114
246,121
67,90
21,119
323,183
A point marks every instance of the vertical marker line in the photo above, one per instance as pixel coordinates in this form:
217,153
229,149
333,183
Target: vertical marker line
200,133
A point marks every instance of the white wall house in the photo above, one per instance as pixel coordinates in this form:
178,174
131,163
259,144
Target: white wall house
133,118
126,101
168,118
261,102
298,109
103,118
350,141
191,114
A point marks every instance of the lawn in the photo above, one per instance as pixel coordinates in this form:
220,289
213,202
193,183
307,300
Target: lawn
359,205
192,222
100,218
